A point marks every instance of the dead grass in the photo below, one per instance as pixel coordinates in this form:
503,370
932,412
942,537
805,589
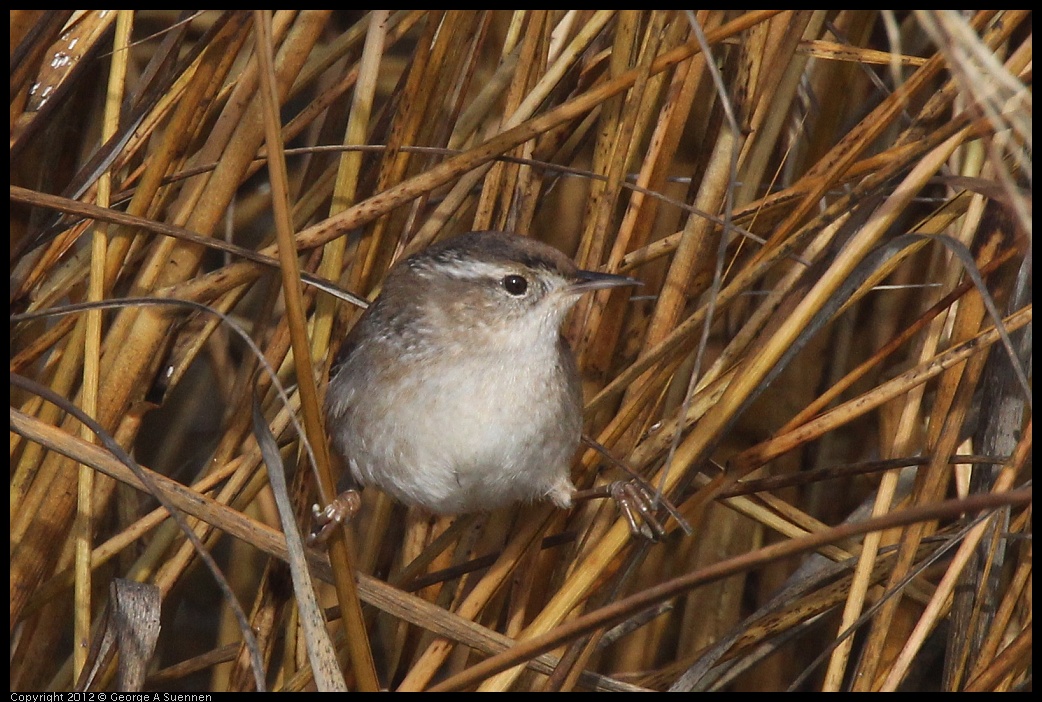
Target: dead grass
832,219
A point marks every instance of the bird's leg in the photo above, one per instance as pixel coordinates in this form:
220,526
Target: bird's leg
342,508
638,501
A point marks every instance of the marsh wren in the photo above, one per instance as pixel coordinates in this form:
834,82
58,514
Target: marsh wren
455,390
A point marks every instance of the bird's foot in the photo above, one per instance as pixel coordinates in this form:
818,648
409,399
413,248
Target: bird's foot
327,519
637,502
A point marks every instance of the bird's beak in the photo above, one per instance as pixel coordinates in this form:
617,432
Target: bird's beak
586,281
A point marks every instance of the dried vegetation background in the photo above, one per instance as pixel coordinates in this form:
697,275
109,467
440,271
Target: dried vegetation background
831,215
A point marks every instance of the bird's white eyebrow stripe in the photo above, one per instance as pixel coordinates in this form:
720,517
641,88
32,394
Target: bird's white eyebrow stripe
471,269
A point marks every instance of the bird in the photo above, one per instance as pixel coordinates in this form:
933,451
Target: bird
456,391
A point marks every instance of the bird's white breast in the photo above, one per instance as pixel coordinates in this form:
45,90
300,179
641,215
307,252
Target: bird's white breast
455,441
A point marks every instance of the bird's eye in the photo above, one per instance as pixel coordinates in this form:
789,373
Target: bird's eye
516,285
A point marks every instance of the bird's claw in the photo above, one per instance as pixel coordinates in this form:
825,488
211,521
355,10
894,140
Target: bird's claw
327,519
637,504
